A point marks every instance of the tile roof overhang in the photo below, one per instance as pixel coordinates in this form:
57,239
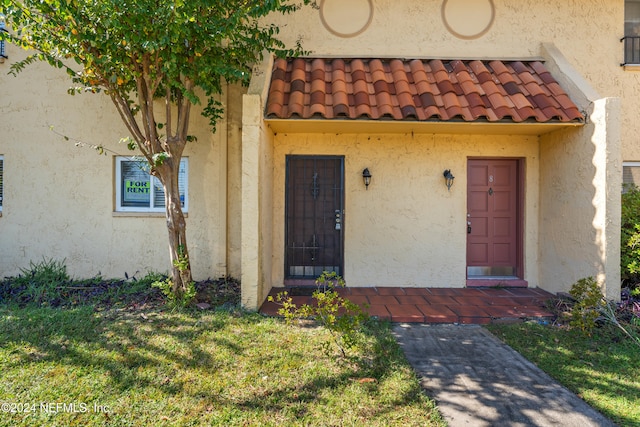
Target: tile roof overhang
445,94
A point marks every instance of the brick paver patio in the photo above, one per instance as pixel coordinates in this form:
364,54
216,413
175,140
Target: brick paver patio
442,305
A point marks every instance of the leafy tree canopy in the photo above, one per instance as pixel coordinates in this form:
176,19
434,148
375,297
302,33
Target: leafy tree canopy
137,51
171,46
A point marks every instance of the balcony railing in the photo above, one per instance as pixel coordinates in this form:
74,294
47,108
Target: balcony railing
631,50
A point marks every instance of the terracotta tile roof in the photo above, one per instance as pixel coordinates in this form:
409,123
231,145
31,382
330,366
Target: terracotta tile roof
420,90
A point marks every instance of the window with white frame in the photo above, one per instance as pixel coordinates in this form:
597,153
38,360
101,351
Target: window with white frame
1,181
138,191
630,174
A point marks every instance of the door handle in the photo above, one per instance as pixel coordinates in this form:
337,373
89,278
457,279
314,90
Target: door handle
338,219
468,227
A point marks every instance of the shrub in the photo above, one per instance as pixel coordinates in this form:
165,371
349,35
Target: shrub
590,308
589,301
630,235
176,300
47,283
341,317
40,283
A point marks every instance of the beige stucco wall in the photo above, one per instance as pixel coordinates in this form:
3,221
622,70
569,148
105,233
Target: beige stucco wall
407,229
59,198
580,204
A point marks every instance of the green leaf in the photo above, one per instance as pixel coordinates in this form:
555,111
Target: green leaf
159,158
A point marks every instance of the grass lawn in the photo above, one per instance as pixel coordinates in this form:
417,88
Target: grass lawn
82,367
604,369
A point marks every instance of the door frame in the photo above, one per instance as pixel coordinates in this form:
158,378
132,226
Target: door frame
295,280
520,209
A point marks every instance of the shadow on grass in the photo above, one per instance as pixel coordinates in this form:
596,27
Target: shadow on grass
215,359
602,369
116,342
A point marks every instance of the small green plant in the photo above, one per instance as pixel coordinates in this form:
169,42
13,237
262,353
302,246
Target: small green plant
588,304
341,317
149,278
176,300
182,263
41,283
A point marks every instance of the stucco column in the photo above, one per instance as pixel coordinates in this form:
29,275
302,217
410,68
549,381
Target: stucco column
581,183
608,184
250,218
255,218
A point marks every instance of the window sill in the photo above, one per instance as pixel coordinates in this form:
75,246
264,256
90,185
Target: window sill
140,214
631,67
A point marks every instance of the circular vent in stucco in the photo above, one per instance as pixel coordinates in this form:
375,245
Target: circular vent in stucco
346,18
468,19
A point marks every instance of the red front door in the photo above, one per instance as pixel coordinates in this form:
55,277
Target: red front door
492,218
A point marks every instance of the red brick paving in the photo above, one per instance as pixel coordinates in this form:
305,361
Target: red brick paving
441,299
442,305
390,291
379,311
444,291
405,313
359,299
471,300
474,320
463,310
411,299
438,313
383,299
417,291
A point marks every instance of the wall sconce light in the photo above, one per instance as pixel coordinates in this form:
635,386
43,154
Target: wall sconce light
448,176
366,177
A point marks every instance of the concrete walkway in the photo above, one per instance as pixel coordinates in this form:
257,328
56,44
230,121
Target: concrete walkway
479,381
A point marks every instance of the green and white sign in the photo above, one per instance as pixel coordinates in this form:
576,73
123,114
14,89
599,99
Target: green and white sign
136,191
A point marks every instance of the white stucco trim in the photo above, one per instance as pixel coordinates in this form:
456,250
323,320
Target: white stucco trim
579,89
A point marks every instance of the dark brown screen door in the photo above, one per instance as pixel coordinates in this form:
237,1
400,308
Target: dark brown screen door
314,216
492,218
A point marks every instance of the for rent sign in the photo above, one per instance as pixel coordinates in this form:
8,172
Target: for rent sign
137,191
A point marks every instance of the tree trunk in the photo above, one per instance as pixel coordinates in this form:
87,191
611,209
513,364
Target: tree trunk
176,226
